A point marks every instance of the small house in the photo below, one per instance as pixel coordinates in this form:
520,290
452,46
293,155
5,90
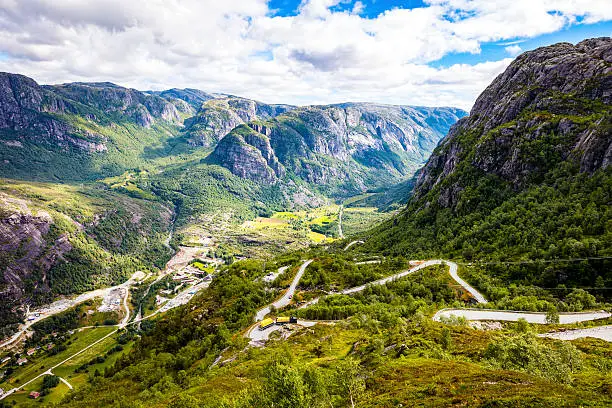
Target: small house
31,351
34,394
22,361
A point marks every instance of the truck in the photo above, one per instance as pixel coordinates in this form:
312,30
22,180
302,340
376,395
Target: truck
265,323
286,319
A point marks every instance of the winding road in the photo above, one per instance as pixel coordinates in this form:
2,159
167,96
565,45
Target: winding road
286,298
452,268
350,244
513,316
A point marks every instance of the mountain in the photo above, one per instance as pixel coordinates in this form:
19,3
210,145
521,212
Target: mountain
61,239
525,176
343,149
127,155
79,131
87,131
217,117
517,194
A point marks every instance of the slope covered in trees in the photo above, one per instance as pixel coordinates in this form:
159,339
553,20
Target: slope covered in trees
526,176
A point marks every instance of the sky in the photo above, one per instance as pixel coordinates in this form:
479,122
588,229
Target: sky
412,52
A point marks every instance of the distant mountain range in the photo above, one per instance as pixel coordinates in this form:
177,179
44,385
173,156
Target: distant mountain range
87,131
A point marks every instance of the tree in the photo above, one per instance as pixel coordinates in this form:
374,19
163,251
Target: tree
185,401
283,387
351,385
446,340
522,326
552,315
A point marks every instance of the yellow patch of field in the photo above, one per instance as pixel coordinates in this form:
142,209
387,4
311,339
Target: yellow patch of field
318,238
360,209
263,223
285,215
322,220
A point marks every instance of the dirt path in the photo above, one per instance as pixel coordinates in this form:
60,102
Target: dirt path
340,233
601,332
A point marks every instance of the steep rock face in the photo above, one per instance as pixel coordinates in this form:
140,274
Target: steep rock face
112,99
26,112
25,234
354,145
217,117
57,239
248,154
526,177
42,114
550,105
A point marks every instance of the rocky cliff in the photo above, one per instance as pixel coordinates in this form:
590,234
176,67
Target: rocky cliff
550,105
78,130
346,148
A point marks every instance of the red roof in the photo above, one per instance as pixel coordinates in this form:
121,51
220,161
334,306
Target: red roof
34,394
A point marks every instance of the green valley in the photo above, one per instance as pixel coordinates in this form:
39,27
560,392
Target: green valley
191,249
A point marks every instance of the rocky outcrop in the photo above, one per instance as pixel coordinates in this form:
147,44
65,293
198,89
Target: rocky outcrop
550,105
248,154
194,97
217,117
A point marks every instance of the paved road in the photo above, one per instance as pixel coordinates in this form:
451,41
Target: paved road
453,273
6,394
373,261
353,243
286,298
258,336
452,268
65,304
601,332
513,316
273,277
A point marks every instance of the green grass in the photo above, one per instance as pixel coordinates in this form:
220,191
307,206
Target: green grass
41,364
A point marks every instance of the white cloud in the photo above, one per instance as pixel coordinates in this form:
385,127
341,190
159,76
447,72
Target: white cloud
240,47
513,50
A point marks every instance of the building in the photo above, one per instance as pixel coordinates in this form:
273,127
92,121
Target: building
22,361
31,351
34,394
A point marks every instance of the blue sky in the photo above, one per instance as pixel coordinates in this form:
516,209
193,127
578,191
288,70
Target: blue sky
430,52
